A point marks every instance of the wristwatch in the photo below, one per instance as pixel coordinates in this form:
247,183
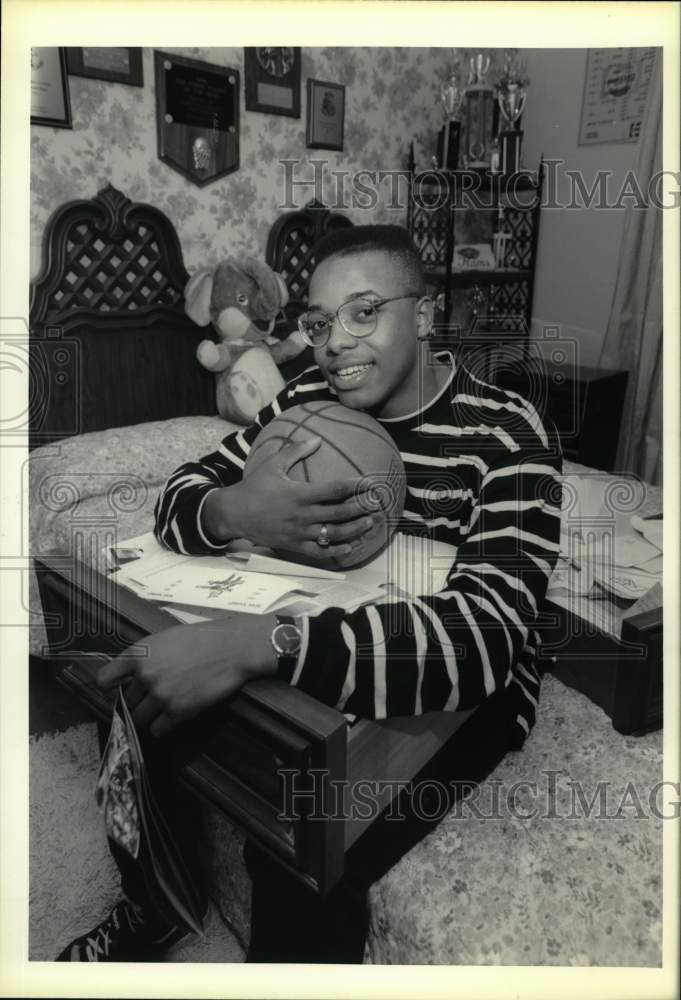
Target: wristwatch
286,641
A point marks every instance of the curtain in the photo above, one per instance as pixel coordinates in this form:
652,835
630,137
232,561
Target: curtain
633,338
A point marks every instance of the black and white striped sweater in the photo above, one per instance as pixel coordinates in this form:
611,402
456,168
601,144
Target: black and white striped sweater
482,475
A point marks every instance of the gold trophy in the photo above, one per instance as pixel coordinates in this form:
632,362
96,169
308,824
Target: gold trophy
511,98
451,97
479,68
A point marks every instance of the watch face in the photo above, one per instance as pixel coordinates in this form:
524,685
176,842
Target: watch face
286,639
276,61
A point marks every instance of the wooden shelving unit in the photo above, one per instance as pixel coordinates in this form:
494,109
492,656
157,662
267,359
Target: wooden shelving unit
501,297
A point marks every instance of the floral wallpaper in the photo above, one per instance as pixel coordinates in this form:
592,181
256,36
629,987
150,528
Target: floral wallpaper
391,98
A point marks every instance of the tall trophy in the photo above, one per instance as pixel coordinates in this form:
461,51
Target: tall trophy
478,125
451,98
511,98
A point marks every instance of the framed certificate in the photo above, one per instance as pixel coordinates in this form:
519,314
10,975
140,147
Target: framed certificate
113,64
50,102
325,115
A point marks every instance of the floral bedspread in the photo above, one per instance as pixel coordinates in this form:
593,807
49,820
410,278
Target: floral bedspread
101,488
544,877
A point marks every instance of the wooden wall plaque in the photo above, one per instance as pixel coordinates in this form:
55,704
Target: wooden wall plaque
197,117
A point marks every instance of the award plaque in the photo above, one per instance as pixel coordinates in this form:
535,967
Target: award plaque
197,117
272,77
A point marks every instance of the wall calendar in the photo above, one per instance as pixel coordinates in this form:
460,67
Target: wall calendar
615,94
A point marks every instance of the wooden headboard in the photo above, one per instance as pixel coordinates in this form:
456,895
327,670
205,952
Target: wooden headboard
110,343
291,243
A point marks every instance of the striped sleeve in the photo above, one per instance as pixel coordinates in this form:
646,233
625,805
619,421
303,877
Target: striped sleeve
180,503
476,635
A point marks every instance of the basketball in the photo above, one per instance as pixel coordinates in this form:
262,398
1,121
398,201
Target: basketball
354,446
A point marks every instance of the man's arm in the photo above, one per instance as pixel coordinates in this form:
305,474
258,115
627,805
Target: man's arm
449,650
180,522
188,668
444,651
206,504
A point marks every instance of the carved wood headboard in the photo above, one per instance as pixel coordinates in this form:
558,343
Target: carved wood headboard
110,343
291,243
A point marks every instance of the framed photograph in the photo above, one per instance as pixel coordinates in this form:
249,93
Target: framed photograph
272,80
50,101
111,64
325,115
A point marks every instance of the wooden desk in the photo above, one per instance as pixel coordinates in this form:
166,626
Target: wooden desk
273,745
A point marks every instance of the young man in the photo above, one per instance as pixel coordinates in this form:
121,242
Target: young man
481,474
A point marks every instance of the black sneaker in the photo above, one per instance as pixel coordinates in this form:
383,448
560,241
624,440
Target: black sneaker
124,936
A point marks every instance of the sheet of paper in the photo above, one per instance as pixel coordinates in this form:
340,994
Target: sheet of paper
649,602
625,582
186,617
628,550
159,575
410,565
653,566
144,557
414,564
257,563
605,615
577,578
650,528
583,497
225,587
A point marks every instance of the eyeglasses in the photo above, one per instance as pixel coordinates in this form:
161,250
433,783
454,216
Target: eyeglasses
358,317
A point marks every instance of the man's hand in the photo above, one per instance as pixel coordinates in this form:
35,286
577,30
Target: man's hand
268,508
189,668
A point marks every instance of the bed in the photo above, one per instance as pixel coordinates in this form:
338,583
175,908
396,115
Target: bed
117,402
117,397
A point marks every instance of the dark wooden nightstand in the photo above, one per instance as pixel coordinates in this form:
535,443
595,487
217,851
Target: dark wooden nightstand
584,403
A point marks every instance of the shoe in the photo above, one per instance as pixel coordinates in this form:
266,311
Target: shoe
126,935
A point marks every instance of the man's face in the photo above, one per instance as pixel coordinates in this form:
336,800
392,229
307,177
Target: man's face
378,373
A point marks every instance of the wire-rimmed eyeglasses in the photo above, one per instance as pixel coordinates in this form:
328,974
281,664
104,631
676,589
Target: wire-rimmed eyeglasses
358,317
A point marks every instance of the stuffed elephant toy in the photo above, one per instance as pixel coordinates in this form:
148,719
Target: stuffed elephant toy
242,298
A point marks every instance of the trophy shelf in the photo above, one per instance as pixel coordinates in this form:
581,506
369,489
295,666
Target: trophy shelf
477,277
453,214
484,179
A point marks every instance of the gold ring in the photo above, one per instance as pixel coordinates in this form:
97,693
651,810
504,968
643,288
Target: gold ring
323,537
